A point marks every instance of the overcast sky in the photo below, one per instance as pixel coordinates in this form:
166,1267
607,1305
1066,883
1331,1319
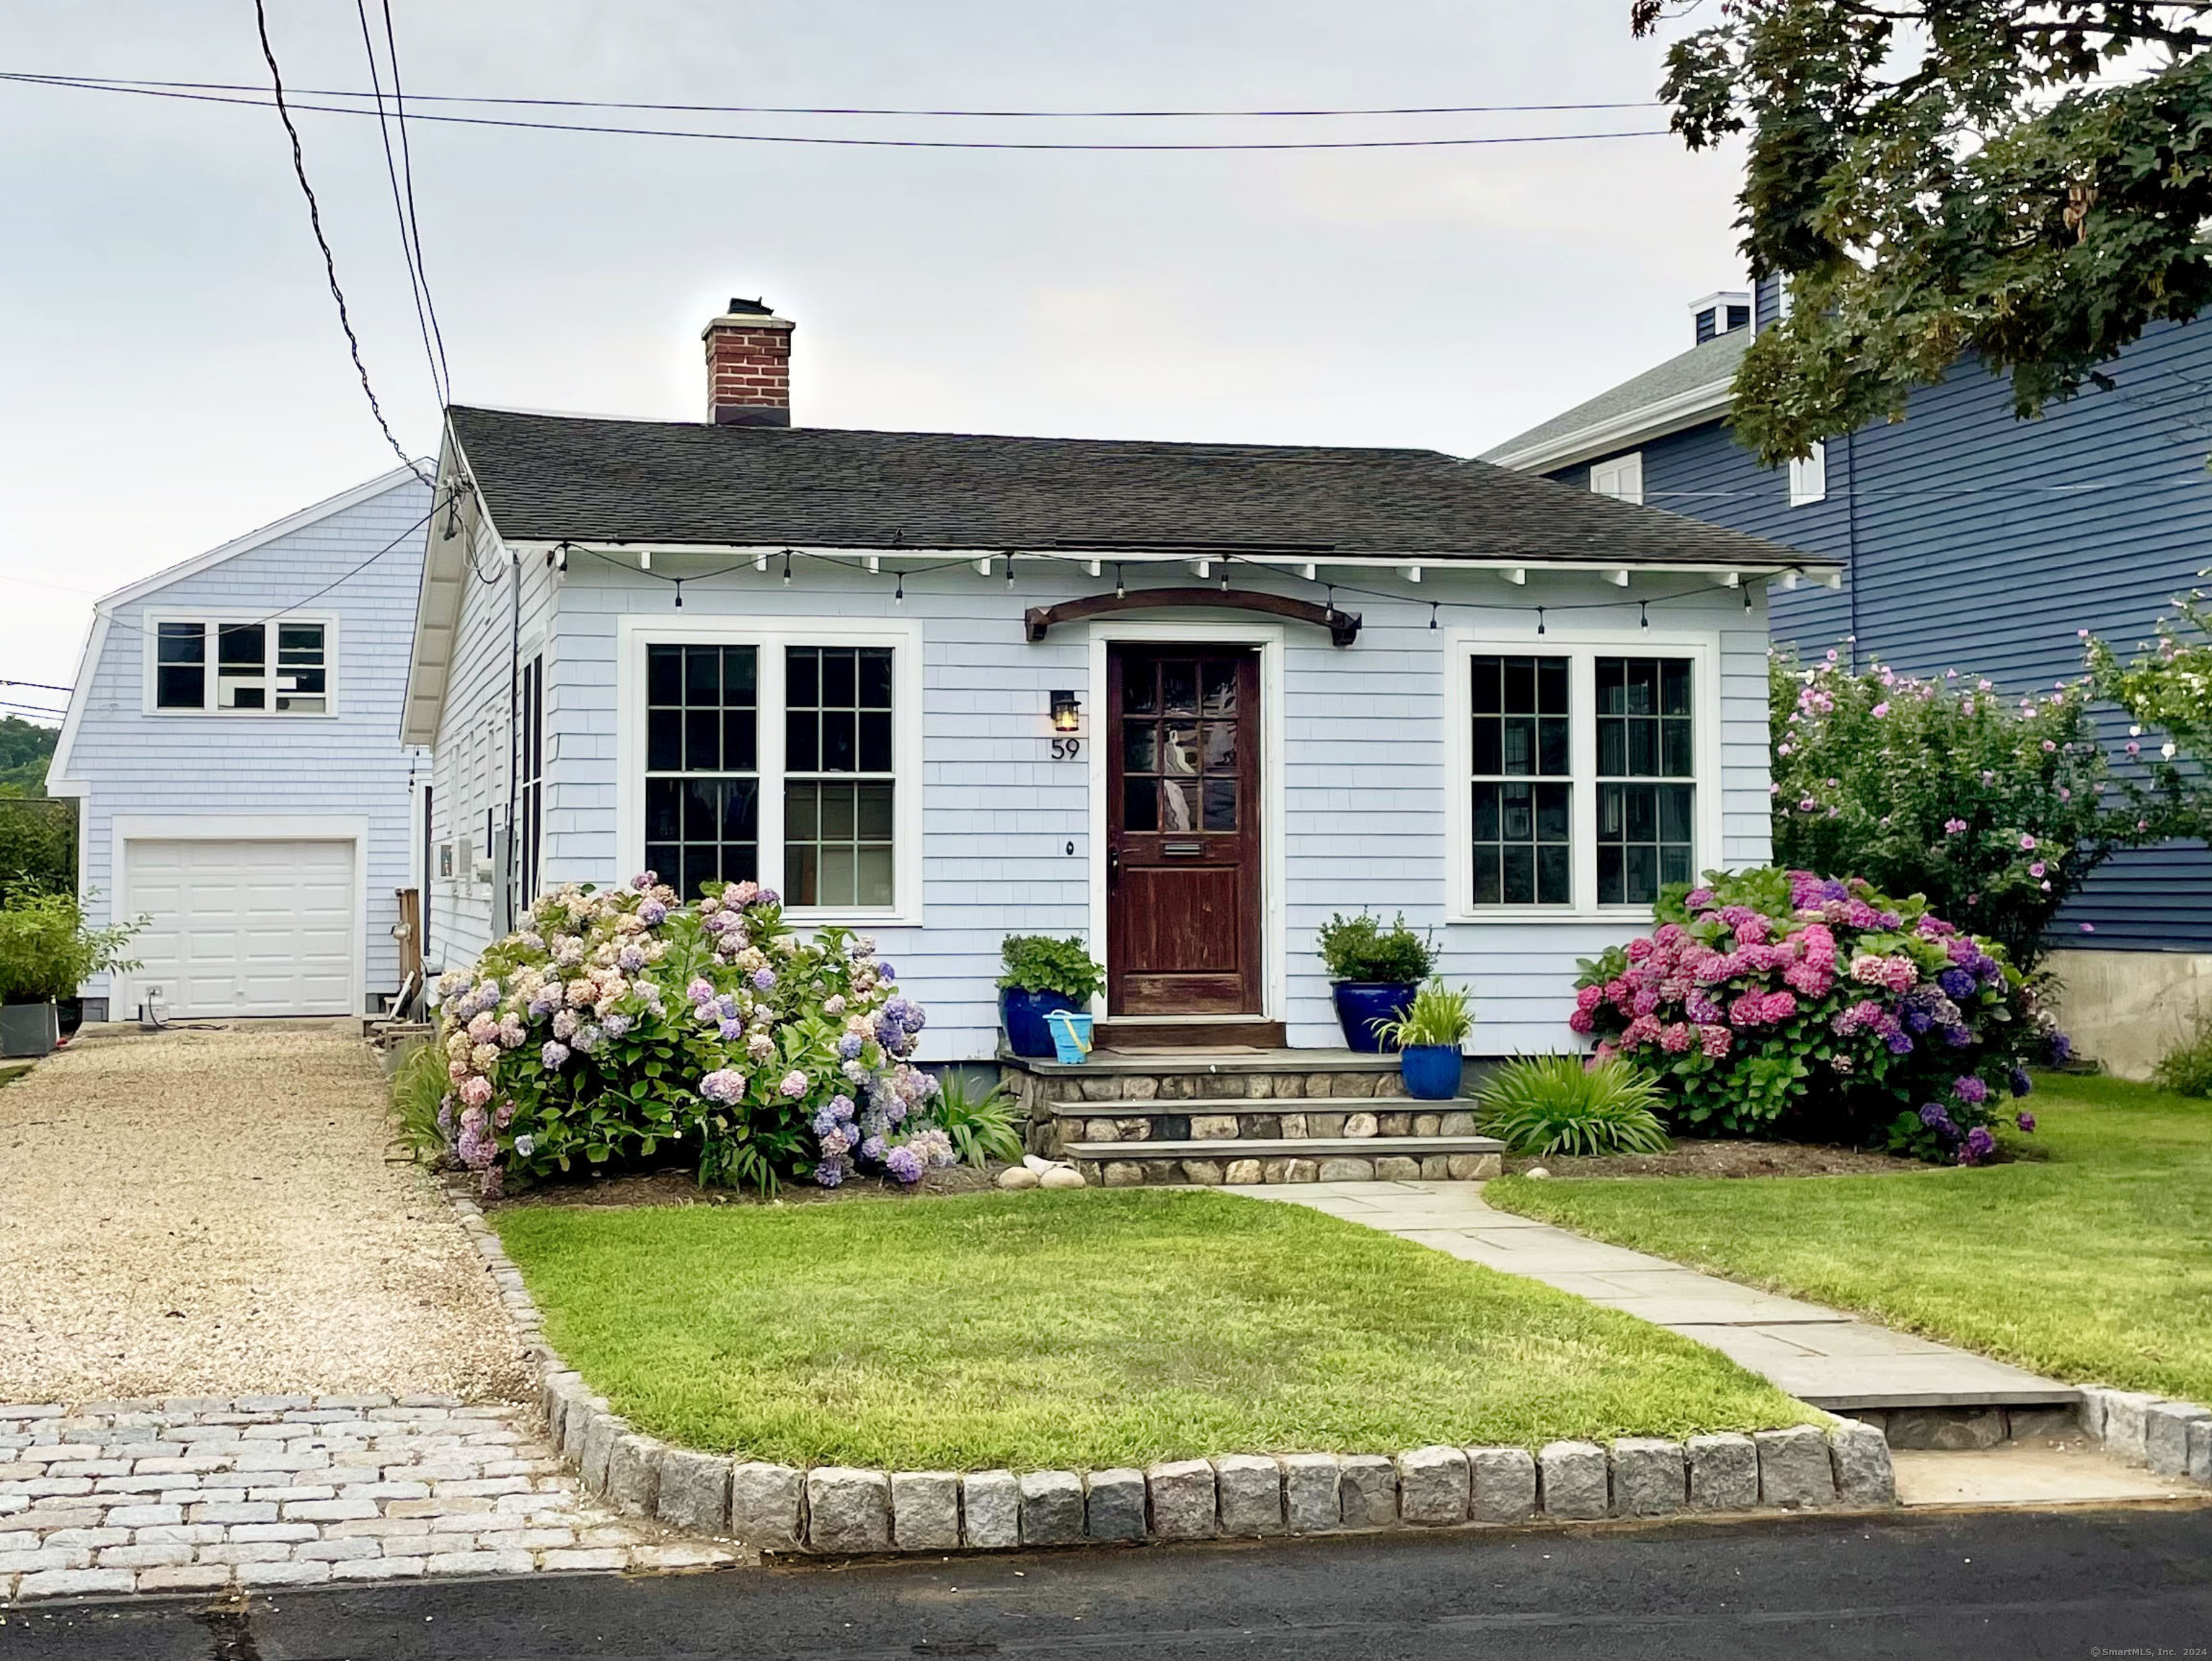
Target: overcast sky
172,372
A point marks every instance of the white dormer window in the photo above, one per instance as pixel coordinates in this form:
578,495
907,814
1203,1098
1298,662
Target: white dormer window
1621,478
267,666
1808,477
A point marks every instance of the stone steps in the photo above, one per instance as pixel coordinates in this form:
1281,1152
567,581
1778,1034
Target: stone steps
1245,1162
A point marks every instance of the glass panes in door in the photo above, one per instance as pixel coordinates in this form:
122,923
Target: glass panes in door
1180,765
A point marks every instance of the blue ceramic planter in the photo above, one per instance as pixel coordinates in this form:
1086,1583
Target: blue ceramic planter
1022,1014
1431,1071
1362,1005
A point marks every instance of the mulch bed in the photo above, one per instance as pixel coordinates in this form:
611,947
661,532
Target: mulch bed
1730,1157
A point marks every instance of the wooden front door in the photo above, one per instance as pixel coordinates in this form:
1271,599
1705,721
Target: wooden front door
1182,831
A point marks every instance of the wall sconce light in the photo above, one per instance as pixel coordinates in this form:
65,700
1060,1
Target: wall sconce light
1067,712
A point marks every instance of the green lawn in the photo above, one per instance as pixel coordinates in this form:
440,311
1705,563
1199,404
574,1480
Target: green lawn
2091,1265
1087,1329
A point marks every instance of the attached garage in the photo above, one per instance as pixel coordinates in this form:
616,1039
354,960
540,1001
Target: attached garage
243,925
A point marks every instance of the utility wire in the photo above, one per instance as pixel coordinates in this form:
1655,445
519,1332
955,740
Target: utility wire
38,686
414,227
407,249
834,109
330,261
846,142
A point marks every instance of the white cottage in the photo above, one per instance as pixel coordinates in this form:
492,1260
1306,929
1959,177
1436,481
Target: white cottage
232,744
1182,700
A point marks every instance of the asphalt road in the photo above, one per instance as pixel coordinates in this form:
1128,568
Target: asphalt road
2010,1584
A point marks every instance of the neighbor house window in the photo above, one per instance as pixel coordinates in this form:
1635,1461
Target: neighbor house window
1521,748
1621,478
703,785
838,778
1646,779
1577,773
276,666
1808,477
530,782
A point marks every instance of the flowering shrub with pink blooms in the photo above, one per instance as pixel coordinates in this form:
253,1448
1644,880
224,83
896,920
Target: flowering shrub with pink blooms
1995,804
1774,1003
616,1021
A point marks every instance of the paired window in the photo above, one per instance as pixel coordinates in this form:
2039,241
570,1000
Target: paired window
1621,478
278,667
833,789
1582,778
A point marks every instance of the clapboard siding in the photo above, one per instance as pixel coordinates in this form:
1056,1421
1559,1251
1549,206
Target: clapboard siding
350,763
1982,543
1364,783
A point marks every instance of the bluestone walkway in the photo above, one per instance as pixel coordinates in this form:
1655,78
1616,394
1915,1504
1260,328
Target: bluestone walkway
1822,1356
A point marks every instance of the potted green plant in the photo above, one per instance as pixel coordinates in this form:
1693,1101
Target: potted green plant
1374,972
46,951
1042,974
1429,1037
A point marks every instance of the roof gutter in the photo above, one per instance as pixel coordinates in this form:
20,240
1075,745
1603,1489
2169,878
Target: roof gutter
1653,420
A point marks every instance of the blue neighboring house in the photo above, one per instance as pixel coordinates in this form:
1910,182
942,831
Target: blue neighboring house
1970,539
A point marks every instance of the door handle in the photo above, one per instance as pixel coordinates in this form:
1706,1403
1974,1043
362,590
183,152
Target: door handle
1113,868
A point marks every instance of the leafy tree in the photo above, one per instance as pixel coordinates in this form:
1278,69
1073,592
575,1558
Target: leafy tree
2025,180
25,750
2167,687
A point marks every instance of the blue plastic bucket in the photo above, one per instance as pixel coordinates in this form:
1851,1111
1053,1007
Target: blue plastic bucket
1071,1036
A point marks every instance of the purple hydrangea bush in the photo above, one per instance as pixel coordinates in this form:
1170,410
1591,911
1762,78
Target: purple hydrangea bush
616,1021
1774,1003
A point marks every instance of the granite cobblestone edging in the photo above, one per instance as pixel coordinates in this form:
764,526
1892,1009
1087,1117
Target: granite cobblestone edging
2173,1438
842,1509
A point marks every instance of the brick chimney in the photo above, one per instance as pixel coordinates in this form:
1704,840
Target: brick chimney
749,367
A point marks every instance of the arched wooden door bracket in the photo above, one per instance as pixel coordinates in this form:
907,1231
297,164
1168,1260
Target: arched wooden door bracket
1343,627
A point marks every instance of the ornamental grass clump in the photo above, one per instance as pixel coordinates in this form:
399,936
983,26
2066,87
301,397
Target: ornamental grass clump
1772,1002
1547,1104
618,1022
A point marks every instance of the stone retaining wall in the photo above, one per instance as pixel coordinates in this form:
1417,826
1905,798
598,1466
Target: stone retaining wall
2173,1438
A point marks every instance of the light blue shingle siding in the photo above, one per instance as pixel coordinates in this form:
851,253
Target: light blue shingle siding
1365,785
1982,543
350,763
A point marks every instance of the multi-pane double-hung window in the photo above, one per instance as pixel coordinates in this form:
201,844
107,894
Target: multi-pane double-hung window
279,666
814,813
1581,779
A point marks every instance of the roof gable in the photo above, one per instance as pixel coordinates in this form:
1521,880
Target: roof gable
1688,390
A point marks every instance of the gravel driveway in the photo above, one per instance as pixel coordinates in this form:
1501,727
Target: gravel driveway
211,1213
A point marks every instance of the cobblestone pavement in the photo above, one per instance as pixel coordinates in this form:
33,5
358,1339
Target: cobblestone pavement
206,1495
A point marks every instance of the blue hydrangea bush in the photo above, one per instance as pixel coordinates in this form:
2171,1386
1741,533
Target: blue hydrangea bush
620,1023
1780,1003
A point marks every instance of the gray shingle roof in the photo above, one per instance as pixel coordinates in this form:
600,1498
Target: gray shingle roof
1705,364
548,478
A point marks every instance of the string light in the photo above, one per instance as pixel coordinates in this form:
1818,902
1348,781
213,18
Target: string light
1540,620
1432,614
898,594
679,594
1747,598
1643,615
786,567
1010,569
1120,589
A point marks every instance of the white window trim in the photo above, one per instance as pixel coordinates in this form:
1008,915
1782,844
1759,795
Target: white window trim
771,636
1808,477
1621,478
149,628
1583,647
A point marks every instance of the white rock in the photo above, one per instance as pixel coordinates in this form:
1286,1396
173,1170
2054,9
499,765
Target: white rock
1018,1176
1540,1172
1062,1176
1036,1163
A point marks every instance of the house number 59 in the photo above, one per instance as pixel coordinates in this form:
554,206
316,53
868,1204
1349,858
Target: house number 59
1066,750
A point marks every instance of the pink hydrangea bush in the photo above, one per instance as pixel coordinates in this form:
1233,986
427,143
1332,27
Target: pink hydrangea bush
1774,1002
615,1022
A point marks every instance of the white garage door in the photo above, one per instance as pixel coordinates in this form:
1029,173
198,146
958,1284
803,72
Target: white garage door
243,928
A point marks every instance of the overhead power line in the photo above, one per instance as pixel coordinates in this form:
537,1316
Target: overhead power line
38,686
838,141
1352,112
417,285
315,221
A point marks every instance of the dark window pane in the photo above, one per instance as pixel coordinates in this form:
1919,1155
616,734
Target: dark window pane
1643,687
1609,874
876,677
1643,748
1673,862
802,874
1611,699
1486,812
1612,748
1674,749
1551,747
802,742
240,646
1141,690
1520,686
1486,874
1220,746
663,740
180,686
1486,673
702,865
1643,816
1642,883
1674,813
802,813
1552,818
666,858
840,682
247,698
664,675
739,753
1520,745
299,643
741,810
802,687
1675,686
1220,689
703,810
1554,885
664,815
1179,687
1179,804
836,813
1141,804
702,741
1517,816
702,674
1221,804
182,643
839,740
740,675
1518,876
1179,750
1489,745
1551,686
872,812
1141,746
876,742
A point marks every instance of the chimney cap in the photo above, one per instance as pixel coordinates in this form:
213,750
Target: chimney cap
749,307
